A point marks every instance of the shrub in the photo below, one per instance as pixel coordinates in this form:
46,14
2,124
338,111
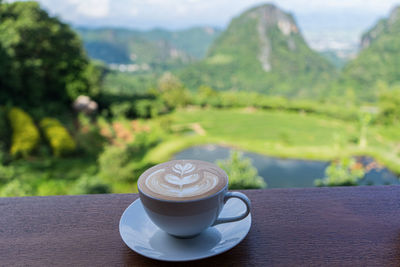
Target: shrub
16,188
58,137
206,96
241,172
143,108
89,137
4,129
345,172
125,163
90,185
389,107
52,187
147,108
7,173
25,136
123,109
116,164
172,91
4,138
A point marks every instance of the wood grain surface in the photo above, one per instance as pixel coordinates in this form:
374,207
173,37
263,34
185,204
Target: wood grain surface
349,226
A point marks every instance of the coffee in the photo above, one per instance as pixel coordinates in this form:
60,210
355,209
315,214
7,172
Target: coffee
182,180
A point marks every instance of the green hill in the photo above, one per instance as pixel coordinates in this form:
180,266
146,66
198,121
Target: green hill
159,49
378,61
262,50
193,41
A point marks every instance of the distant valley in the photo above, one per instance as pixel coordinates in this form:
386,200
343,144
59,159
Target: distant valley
262,49
141,51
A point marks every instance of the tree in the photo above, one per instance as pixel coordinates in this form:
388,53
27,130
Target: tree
241,172
172,91
389,106
42,63
207,96
344,172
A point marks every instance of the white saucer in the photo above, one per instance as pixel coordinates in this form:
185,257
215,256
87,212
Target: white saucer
141,235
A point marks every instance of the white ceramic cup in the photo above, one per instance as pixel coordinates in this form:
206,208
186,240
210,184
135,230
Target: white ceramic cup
190,217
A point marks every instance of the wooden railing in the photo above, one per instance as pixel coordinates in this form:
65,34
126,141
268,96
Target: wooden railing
348,226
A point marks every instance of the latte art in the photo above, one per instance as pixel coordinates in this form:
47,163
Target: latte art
172,185
182,179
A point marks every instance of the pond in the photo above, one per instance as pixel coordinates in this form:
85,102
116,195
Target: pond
280,173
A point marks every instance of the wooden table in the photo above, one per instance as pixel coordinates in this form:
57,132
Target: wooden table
348,226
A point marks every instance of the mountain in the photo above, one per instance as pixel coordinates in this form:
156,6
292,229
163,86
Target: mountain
193,41
262,50
378,61
154,49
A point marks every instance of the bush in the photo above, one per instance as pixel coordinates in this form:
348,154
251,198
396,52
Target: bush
116,164
172,91
241,172
389,107
7,173
206,96
345,172
52,188
90,185
5,134
58,137
25,136
125,163
123,109
143,108
16,188
149,108
89,137
4,129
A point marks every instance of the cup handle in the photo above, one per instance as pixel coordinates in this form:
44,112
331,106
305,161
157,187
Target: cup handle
243,198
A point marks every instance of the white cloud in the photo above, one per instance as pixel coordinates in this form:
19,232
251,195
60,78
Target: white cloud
73,10
181,10
134,11
92,8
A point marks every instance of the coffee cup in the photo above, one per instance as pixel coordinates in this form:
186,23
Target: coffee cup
185,197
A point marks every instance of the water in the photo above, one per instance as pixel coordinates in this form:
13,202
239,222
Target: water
280,173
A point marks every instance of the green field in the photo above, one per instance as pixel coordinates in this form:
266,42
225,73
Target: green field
282,134
275,133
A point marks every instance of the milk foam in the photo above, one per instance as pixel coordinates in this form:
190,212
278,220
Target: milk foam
183,180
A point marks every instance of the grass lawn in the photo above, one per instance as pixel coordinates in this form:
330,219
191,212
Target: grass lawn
282,134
